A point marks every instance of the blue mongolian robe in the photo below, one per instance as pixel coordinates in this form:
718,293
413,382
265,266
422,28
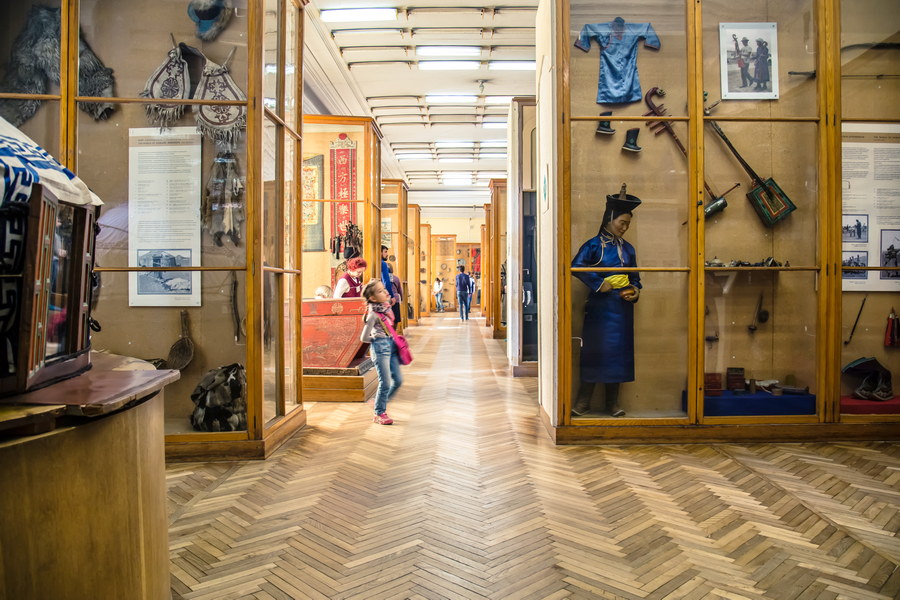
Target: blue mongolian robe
607,353
618,80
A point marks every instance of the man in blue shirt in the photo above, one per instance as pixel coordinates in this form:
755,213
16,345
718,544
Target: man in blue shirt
462,293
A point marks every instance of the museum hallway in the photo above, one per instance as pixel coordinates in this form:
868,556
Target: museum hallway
466,497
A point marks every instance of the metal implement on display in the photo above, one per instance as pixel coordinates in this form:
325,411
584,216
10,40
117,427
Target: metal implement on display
767,198
760,315
853,329
716,202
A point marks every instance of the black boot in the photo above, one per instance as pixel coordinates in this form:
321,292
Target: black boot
612,400
603,126
631,140
582,404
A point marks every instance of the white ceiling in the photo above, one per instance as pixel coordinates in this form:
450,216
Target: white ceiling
372,68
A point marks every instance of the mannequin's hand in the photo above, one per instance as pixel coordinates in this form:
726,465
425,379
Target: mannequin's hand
630,294
605,287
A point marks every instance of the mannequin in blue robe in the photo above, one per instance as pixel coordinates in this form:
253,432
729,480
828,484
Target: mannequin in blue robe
618,41
607,353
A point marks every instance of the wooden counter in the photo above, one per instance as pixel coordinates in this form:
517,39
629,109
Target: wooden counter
83,506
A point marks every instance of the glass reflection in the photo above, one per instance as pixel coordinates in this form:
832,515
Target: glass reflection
60,282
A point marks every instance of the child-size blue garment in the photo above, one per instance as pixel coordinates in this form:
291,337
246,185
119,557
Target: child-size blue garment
618,41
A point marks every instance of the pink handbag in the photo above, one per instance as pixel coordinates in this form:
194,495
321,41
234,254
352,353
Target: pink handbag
403,351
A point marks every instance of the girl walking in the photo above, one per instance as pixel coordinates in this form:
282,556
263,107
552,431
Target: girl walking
377,332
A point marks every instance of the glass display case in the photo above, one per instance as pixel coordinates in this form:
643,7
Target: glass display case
498,264
414,278
395,236
428,301
148,104
694,197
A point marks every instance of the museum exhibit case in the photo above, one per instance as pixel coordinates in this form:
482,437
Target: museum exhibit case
341,195
195,241
428,302
443,266
693,201
522,268
413,276
395,235
498,264
487,283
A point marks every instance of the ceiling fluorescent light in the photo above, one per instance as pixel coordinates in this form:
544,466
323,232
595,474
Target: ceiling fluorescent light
498,125
450,99
454,144
448,50
498,99
493,143
455,160
491,156
414,157
491,174
344,15
449,65
511,65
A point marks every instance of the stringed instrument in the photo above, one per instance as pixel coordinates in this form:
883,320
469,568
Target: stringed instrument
767,197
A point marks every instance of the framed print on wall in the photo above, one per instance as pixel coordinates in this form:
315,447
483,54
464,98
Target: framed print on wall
748,61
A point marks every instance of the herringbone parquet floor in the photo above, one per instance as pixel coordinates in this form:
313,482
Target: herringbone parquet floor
464,497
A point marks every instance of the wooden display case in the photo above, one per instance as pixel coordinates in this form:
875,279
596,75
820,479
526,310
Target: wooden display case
443,265
721,290
414,288
395,235
498,265
172,238
428,302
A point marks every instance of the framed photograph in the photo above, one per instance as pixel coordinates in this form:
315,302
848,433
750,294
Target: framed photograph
890,246
854,259
748,61
855,228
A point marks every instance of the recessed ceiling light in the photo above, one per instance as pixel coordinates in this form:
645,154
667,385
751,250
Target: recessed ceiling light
493,143
495,125
448,50
498,99
450,99
512,65
344,15
449,65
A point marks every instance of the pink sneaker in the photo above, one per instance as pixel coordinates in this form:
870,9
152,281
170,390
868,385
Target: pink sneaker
383,419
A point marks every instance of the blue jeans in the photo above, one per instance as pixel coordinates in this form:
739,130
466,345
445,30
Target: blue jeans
387,365
462,299
439,302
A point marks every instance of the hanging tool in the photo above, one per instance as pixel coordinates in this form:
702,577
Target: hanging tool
891,335
760,315
853,330
716,202
711,338
767,198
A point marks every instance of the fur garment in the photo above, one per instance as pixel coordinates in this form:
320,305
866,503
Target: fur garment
35,62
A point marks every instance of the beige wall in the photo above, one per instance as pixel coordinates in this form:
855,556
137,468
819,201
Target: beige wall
467,231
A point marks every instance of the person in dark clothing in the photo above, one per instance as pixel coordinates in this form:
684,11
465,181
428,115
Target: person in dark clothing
462,293
608,353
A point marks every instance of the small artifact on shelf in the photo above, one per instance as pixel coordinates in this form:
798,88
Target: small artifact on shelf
734,379
712,384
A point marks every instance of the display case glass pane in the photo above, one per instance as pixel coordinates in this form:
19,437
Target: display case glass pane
291,375
163,190
134,39
215,338
42,127
273,192
869,83
333,169
760,343
62,282
273,352
27,29
645,43
289,192
659,228
292,64
870,330
777,45
273,70
629,359
775,225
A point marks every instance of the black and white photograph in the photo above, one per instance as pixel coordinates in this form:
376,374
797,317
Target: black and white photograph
854,259
169,283
854,228
748,61
890,243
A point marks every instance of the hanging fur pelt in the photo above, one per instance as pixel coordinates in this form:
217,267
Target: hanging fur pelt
222,209
34,64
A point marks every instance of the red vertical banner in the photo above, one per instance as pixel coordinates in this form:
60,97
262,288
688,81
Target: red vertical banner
343,183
